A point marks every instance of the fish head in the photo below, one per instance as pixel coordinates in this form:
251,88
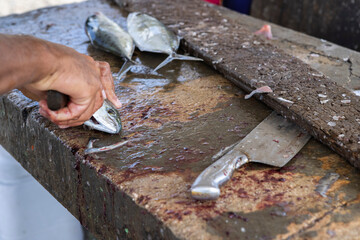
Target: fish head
105,119
92,25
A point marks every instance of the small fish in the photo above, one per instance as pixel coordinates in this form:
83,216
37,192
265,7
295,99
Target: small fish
151,35
108,36
90,147
105,119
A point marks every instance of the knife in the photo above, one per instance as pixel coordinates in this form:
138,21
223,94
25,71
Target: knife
105,119
275,141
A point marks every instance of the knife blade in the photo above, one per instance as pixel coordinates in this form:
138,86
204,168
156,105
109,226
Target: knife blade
105,119
275,141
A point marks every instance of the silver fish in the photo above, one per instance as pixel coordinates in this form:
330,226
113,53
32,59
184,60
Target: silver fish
105,119
90,147
106,35
151,35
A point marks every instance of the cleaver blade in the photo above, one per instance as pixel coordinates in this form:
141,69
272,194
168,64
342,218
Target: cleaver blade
275,141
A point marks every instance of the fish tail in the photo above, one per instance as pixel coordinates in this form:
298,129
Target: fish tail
175,56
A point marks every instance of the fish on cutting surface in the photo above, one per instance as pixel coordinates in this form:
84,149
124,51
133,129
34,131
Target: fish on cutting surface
108,36
105,119
91,149
275,141
151,35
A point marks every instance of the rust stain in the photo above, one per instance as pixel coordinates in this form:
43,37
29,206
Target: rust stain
156,106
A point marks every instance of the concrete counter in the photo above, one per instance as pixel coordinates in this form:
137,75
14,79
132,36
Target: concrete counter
175,122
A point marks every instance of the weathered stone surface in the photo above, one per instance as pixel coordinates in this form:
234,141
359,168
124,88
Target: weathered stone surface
301,93
175,123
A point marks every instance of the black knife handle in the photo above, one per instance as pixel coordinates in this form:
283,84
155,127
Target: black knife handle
56,100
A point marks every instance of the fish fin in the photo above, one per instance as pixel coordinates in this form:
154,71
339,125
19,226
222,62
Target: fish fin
125,68
186,58
163,63
175,56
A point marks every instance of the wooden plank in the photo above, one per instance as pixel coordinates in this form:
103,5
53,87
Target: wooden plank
141,191
326,110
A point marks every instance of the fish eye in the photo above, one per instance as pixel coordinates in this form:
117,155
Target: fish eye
111,112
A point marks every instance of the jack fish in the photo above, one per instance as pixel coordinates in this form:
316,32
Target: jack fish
151,35
108,36
105,119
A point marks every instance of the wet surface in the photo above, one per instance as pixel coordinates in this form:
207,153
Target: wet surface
224,43
175,120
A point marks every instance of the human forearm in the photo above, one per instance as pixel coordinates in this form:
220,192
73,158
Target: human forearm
36,66
24,60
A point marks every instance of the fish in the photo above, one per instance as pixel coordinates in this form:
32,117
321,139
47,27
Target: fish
106,35
105,119
90,147
150,35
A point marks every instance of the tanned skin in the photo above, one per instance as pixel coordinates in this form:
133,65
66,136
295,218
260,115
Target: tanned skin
35,66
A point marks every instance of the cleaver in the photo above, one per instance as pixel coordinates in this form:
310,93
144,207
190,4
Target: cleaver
275,141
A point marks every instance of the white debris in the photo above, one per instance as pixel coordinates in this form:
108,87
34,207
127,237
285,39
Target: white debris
324,101
346,101
317,74
331,124
322,95
341,135
245,45
217,61
314,55
336,118
357,92
285,100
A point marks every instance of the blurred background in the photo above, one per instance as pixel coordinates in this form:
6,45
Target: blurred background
337,21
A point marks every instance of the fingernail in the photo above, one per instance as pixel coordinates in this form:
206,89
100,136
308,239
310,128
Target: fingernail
63,126
103,94
118,103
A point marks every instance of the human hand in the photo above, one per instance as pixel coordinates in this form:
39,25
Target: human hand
85,81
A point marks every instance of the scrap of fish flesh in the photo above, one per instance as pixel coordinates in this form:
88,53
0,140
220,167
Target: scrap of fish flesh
265,31
263,89
105,119
151,35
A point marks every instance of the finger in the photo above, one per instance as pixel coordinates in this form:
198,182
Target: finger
86,115
108,83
